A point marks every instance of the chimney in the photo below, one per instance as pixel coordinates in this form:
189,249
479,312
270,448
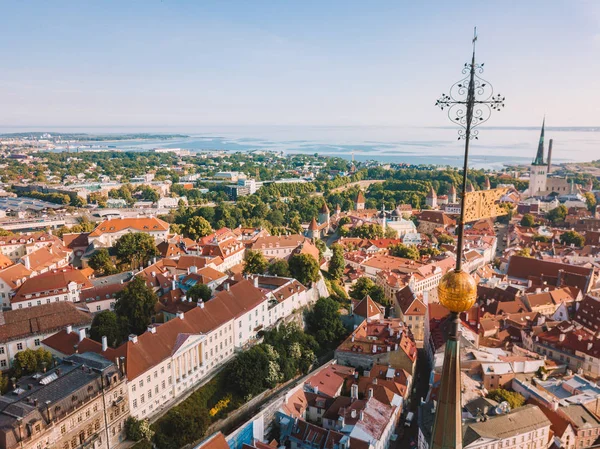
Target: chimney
354,392
133,338
590,345
69,329
550,155
362,415
370,393
226,286
81,334
173,284
561,337
151,329
122,365
180,315
256,281
26,262
201,304
76,349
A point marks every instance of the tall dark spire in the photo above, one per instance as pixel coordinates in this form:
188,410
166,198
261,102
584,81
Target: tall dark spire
539,157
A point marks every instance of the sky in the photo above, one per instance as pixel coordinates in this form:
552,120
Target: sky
262,63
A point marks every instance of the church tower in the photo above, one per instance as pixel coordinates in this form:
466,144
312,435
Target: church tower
359,203
431,198
452,194
538,172
324,214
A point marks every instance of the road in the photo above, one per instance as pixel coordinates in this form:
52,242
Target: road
407,435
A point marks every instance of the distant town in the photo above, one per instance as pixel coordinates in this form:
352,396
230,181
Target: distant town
176,298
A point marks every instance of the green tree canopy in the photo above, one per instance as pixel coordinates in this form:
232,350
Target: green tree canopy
515,400
361,288
557,214
325,323
367,231
279,267
336,263
107,323
197,227
405,251
199,291
304,268
138,429
181,426
136,304
572,238
30,361
527,220
590,201
255,262
102,263
135,249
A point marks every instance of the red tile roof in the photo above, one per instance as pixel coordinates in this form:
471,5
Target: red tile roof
42,319
144,224
49,282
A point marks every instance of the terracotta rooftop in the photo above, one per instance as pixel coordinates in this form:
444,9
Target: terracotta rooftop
54,281
143,224
41,320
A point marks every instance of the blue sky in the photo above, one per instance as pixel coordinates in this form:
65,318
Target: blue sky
199,63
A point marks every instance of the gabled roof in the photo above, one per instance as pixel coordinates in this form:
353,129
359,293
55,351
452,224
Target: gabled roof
409,303
367,308
41,320
54,280
143,224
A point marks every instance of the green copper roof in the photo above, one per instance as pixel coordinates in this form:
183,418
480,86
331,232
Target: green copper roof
539,158
447,427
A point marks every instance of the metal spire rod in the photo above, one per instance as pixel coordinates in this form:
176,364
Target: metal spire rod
469,104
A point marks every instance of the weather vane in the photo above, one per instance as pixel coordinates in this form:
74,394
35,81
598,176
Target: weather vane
469,103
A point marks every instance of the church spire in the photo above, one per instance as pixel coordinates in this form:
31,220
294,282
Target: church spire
539,158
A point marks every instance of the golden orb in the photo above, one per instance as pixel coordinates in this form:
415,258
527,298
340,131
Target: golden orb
457,291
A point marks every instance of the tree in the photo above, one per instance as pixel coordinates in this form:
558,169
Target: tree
108,324
197,227
405,251
524,252
515,400
98,198
368,231
279,267
541,238
31,360
336,263
4,232
304,268
136,303
590,201
199,291
138,429
321,246
181,426
390,233
445,239
527,220
102,263
248,372
135,249
361,288
557,214
365,286
572,238
325,323
255,262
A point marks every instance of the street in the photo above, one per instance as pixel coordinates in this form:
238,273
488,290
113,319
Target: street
407,436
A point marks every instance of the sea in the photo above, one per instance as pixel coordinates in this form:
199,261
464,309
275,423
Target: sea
494,149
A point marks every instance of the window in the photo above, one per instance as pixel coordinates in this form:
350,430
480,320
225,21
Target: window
133,388
3,363
148,378
63,428
162,370
97,425
141,383
142,399
19,346
170,380
135,403
1,349
155,374
36,342
98,308
163,385
149,394
156,390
